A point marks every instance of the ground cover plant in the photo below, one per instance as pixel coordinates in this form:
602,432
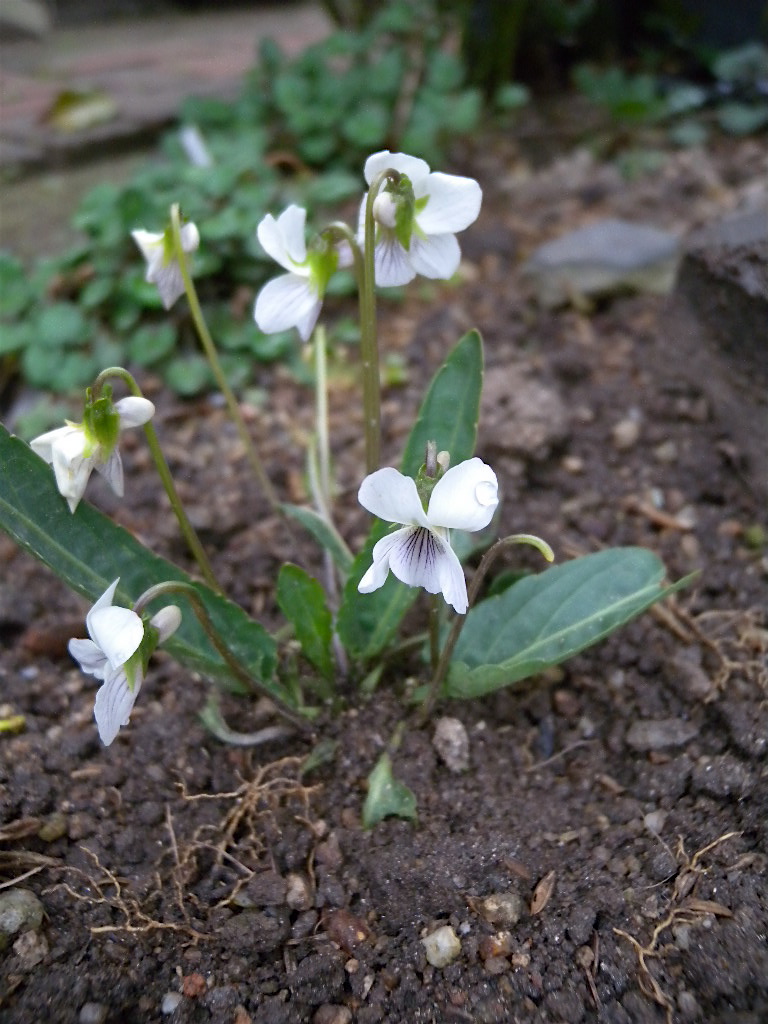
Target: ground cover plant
596,848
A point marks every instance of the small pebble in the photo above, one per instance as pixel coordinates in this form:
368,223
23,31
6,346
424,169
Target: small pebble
169,1002
452,744
93,1013
625,434
657,734
442,946
330,1013
665,453
20,911
501,908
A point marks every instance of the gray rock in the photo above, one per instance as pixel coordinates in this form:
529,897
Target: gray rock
714,330
93,1013
20,911
452,743
722,777
660,733
521,416
603,258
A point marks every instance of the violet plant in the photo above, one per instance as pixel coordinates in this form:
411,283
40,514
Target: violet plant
348,624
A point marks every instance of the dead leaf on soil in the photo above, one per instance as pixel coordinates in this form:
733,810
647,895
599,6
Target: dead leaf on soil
542,893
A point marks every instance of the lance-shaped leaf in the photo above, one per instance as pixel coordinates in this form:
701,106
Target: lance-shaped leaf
88,551
302,602
448,415
387,797
546,618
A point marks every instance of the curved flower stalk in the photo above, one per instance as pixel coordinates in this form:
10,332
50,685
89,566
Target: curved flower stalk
294,299
417,218
76,450
162,265
118,652
420,554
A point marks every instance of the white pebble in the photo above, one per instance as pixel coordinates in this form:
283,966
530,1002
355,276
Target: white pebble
169,1002
442,946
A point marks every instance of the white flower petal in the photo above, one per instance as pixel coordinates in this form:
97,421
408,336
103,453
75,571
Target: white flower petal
71,468
44,444
90,656
422,558
117,631
166,622
453,583
465,498
112,471
114,703
283,239
170,283
377,574
392,266
134,411
190,237
287,301
415,168
437,256
150,243
392,497
105,601
453,204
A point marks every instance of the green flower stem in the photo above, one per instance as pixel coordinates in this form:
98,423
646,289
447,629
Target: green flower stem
235,666
434,631
213,358
321,416
458,623
193,541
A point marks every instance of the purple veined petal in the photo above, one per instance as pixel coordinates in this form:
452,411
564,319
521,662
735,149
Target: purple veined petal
392,264
437,256
89,656
453,204
413,166
392,497
422,558
378,571
465,498
112,471
114,703
117,631
286,301
134,411
170,284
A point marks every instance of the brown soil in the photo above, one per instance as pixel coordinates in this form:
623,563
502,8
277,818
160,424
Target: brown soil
634,868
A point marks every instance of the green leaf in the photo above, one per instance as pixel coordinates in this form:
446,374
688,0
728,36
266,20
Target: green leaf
548,617
449,413
451,408
16,292
742,118
302,602
387,797
325,535
61,324
150,345
188,375
88,551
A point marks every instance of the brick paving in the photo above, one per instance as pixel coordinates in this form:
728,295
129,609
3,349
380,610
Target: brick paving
146,66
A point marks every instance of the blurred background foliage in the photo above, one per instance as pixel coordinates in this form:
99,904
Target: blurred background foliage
415,75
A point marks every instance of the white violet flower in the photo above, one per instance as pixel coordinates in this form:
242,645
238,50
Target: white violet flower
118,653
417,220
162,266
76,450
293,299
420,554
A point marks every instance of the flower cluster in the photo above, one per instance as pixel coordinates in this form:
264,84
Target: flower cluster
416,214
